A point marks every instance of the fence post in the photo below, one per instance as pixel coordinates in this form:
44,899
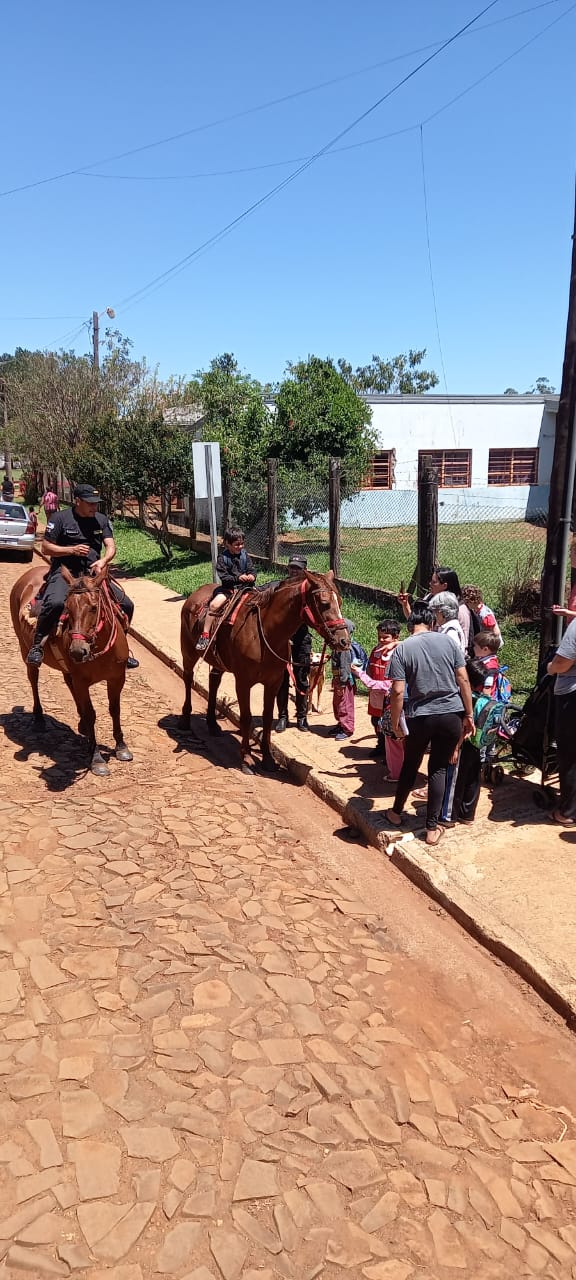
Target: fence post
190,512
427,522
334,514
272,511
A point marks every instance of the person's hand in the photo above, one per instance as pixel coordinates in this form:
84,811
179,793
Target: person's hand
246,577
468,727
455,754
560,611
81,549
404,603
398,733
98,566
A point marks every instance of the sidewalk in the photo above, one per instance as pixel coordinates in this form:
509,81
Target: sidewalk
509,880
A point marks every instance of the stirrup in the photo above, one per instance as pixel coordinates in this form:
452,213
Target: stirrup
202,644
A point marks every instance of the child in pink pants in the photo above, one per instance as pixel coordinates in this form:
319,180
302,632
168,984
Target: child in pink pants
394,746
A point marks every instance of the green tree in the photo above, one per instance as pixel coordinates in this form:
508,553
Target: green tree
234,415
320,415
401,375
541,387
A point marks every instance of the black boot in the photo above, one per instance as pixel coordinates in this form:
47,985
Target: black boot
281,723
302,712
35,657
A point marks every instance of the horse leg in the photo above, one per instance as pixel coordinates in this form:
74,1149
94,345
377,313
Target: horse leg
37,711
115,688
243,696
268,761
213,686
187,708
87,728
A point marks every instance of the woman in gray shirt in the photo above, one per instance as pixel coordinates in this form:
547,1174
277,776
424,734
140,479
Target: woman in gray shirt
439,709
563,666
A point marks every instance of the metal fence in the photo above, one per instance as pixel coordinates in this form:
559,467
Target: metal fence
490,543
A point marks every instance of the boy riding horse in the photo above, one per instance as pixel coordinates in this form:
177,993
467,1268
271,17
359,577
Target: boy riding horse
236,573
80,538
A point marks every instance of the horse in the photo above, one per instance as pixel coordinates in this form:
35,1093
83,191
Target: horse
253,643
90,645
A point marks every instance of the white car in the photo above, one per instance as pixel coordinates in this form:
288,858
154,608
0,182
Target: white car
17,531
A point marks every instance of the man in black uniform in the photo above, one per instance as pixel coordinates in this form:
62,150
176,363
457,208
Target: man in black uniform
80,538
301,659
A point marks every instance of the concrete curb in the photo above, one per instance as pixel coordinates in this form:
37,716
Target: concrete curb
412,857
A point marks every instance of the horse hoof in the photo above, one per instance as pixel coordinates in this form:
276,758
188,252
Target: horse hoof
124,753
184,723
247,768
100,769
214,728
269,764
39,724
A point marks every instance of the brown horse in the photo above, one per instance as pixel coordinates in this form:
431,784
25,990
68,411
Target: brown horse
254,646
90,646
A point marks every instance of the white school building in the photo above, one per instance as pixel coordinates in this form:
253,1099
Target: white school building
493,455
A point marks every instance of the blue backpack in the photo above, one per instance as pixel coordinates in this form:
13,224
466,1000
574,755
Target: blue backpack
359,654
502,688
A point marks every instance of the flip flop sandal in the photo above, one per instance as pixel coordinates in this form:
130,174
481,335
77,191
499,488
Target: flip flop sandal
421,793
437,831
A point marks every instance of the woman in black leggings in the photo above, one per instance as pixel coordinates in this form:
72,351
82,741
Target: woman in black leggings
439,709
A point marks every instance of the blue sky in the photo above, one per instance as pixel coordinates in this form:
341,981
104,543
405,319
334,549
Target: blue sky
335,264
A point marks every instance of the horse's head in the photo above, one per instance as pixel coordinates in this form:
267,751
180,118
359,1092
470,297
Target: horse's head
321,607
83,605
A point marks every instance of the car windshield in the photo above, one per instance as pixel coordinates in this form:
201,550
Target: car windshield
10,511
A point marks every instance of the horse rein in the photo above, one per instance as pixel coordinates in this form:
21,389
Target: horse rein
105,613
307,615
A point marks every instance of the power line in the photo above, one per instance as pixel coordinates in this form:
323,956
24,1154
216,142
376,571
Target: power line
157,281
4,318
80,170
498,66
197,253
351,146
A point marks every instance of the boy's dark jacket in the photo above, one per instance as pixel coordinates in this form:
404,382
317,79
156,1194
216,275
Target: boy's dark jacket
229,567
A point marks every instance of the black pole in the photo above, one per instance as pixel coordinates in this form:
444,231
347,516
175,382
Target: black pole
427,522
334,514
272,512
554,571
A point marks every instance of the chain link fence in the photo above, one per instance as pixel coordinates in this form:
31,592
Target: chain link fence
489,543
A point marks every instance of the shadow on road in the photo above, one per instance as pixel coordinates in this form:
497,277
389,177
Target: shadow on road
57,741
222,749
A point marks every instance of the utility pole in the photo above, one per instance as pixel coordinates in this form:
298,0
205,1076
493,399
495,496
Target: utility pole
95,340
561,478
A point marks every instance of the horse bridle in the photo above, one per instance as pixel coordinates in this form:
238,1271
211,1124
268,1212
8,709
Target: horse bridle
104,613
305,613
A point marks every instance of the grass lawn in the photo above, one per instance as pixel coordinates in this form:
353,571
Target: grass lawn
138,554
483,554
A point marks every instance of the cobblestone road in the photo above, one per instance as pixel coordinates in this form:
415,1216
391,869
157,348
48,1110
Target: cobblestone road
213,1065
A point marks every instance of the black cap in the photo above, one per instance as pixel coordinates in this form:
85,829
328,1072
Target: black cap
297,562
86,493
